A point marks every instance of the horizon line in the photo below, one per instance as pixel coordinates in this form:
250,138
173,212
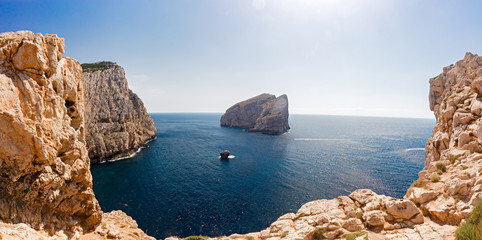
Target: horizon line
308,114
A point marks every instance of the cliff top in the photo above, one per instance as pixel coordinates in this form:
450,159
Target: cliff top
102,65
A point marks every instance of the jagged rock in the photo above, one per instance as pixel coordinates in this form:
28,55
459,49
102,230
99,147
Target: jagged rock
375,218
264,113
421,195
224,155
116,119
404,209
45,176
456,141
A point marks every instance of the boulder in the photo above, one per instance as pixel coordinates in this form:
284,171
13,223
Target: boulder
224,155
374,218
402,208
421,195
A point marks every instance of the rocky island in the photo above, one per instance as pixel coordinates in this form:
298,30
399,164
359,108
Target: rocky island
264,113
117,123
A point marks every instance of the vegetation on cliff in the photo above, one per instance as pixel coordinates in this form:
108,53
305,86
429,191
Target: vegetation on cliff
471,229
113,114
91,67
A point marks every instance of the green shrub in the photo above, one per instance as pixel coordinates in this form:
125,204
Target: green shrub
360,216
200,237
418,183
464,167
249,238
284,234
441,166
318,234
471,229
453,158
91,67
435,179
354,235
465,232
457,200
426,213
480,169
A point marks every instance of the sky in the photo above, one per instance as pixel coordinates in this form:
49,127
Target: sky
336,57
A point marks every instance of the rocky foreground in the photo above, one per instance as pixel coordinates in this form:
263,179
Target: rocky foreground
117,123
442,197
264,113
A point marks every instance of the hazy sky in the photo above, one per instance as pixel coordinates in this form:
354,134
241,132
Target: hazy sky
370,57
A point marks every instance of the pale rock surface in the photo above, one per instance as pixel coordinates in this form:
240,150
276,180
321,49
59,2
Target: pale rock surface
45,175
114,225
117,123
264,113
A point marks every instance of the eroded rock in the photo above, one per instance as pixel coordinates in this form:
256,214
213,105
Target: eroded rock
116,119
264,113
45,175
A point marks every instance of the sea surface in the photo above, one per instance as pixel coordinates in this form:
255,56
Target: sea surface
179,187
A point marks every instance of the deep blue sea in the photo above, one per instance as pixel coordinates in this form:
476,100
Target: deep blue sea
178,186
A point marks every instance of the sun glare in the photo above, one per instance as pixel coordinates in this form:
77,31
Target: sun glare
261,4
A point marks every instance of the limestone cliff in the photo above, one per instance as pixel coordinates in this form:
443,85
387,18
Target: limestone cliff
444,195
264,113
44,176
117,123
451,181
46,184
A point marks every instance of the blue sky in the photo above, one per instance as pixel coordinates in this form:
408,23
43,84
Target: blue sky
342,57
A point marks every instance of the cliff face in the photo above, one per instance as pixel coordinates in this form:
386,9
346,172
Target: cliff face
116,119
451,181
44,176
264,113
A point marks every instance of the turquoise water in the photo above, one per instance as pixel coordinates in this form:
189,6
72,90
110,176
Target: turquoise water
178,186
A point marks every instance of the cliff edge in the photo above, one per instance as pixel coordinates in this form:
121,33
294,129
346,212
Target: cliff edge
264,113
46,184
45,174
117,123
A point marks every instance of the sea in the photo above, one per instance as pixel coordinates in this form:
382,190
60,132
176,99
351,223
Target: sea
178,186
